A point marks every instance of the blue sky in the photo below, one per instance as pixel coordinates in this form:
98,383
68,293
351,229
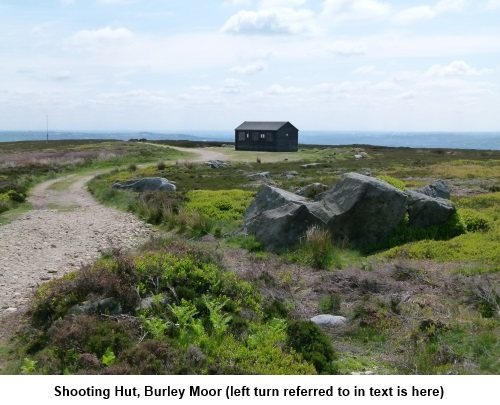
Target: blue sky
411,65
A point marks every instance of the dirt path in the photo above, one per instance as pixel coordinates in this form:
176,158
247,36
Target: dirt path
66,229
201,154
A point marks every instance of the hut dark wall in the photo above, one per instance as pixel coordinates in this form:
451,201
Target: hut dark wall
270,136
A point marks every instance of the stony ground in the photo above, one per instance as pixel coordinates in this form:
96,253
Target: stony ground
66,229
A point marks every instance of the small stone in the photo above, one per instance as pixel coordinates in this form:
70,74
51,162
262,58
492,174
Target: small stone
331,320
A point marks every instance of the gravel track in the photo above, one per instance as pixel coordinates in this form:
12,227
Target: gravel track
66,229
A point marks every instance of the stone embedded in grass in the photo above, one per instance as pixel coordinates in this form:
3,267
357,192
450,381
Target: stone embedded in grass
261,175
146,184
108,306
329,320
217,164
290,174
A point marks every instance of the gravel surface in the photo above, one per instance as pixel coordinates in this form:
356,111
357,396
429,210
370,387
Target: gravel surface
66,229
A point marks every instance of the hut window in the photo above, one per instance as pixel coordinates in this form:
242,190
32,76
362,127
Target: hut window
269,137
241,136
255,136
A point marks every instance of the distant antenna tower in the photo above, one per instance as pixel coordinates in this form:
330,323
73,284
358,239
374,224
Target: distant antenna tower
47,127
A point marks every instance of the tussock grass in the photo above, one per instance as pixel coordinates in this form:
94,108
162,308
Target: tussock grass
317,250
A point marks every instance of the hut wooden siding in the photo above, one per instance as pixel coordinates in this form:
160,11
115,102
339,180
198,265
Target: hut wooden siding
270,136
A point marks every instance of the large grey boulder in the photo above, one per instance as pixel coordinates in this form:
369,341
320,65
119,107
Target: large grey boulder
360,208
279,218
269,198
363,209
426,211
436,189
146,184
283,226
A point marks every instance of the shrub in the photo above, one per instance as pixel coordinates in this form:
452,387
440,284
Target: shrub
485,296
4,206
316,249
132,167
393,182
219,204
313,344
275,309
474,221
161,165
153,357
16,196
330,303
404,233
156,207
200,224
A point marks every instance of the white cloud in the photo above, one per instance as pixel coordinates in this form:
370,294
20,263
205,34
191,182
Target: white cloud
385,86
236,3
450,5
456,68
233,86
100,37
268,22
355,10
273,4
413,14
133,98
367,70
344,48
61,75
426,12
407,95
249,69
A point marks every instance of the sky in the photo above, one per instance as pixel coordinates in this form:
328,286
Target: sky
346,65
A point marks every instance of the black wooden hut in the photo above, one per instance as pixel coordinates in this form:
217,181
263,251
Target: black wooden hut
270,136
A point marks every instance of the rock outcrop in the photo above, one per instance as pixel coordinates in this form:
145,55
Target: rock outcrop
146,184
360,209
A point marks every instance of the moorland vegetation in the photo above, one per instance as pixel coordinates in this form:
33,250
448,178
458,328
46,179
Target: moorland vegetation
205,299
